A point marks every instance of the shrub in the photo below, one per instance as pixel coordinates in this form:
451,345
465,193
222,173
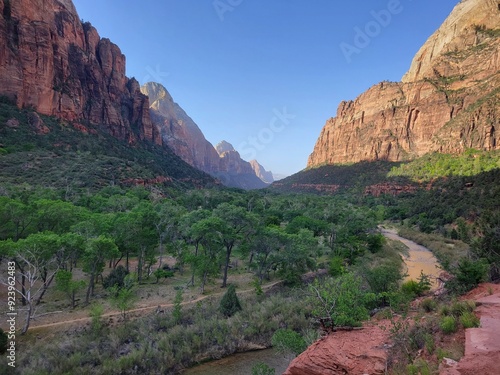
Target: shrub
458,308
468,275
286,340
160,273
336,266
417,288
448,324
469,320
429,305
230,304
262,369
115,278
384,278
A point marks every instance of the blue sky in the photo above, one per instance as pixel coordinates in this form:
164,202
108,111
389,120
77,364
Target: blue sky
265,75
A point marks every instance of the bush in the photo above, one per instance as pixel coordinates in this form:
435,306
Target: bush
262,369
336,266
384,278
448,324
469,320
230,304
115,278
160,273
286,340
458,308
417,288
468,275
429,305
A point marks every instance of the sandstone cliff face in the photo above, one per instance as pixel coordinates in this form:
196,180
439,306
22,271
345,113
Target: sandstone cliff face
447,102
52,62
261,172
179,131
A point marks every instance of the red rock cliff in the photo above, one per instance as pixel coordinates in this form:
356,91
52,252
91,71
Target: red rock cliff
447,102
49,60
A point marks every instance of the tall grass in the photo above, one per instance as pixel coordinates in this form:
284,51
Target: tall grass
155,344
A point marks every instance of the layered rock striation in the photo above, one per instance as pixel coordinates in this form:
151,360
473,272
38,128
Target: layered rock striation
54,63
447,102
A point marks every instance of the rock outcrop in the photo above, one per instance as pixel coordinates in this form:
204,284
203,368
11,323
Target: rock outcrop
447,102
345,352
54,63
260,171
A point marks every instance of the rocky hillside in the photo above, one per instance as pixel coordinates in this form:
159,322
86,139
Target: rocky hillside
54,63
179,132
447,102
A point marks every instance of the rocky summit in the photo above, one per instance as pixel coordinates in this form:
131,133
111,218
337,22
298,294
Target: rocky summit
447,102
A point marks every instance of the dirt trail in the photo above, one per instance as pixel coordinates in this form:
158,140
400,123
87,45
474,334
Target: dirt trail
141,310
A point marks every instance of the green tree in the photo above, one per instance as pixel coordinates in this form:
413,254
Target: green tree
230,304
124,298
97,251
295,257
66,284
236,226
208,233
339,302
264,250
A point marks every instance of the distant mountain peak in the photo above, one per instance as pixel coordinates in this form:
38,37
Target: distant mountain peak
260,171
223,147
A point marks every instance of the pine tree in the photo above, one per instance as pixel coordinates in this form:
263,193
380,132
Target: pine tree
230,304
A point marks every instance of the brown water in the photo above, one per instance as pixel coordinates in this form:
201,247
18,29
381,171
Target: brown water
242,363
419,259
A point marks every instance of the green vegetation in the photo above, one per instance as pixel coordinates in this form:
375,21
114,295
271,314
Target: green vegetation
435,165
262,369
230,304
448,324
286,340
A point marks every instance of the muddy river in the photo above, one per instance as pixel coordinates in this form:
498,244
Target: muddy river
419,258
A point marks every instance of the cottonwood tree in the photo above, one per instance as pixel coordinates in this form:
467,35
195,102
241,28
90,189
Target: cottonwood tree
97,251
264,250
209,232
236,225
